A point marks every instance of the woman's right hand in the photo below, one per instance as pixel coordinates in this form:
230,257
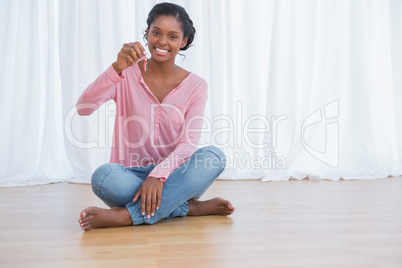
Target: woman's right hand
129,55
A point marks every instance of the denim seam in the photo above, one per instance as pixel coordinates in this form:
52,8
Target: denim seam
102,181
186,210
132,215
223,165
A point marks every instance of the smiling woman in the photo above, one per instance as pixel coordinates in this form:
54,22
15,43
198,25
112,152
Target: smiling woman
272,63
165,38
162,40
177,171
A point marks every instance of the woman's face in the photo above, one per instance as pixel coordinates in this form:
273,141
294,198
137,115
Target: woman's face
165,38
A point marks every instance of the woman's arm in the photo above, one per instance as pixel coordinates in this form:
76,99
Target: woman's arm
105,86
150,190
99,92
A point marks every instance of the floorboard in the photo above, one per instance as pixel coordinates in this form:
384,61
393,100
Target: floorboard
356,223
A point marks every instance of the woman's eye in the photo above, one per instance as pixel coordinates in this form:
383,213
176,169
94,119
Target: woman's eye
155,33
173,37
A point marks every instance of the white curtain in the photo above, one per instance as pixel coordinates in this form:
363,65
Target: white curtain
296,88
335,72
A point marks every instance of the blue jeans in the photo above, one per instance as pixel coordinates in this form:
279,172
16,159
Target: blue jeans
116,185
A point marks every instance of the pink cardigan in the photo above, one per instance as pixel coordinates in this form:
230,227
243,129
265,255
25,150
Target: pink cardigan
145,130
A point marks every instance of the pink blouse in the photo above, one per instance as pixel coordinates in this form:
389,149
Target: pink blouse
145,130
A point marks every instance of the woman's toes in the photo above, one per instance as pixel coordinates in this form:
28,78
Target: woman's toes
86,226
83,221
229,205
83,214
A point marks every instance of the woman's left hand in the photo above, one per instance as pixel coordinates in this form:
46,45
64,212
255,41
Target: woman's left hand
150,192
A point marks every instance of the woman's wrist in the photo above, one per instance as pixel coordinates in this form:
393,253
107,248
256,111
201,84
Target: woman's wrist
118,71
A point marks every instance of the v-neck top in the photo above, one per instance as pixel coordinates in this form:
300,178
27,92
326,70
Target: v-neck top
146,131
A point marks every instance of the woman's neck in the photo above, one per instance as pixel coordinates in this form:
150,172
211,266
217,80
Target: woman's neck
162,69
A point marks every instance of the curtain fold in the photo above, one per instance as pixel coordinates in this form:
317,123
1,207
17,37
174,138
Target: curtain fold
32,136
331,66
296,89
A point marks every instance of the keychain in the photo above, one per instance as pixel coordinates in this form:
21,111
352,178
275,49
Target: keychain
144,63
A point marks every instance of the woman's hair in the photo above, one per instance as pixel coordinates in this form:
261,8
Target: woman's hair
179,13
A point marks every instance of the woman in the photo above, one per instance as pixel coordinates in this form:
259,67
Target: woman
155,171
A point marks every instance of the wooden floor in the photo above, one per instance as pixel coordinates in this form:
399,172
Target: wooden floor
276,224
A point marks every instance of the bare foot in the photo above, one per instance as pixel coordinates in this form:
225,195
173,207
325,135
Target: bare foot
94,217
215,206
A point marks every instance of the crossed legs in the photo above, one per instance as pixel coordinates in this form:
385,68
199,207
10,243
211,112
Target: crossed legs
117,185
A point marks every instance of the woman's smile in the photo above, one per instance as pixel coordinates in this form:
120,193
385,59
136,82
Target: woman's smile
161,52
165,37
